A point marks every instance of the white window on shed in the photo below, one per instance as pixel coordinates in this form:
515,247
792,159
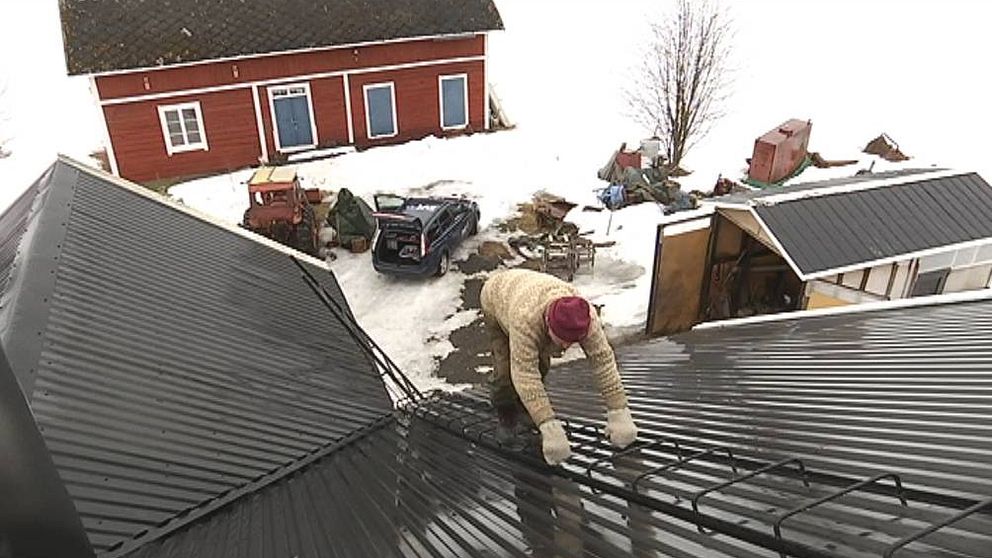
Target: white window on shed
453,96
182,127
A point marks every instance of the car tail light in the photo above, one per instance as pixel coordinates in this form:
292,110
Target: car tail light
423,245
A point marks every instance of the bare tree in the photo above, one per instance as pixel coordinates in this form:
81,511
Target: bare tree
680,88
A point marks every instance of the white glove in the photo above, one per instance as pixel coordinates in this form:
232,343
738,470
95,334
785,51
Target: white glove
620,428
554,442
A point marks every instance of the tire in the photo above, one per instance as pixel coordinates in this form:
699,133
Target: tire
443,265
306,232
475,226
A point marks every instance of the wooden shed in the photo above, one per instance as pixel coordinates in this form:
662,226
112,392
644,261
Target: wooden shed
846,241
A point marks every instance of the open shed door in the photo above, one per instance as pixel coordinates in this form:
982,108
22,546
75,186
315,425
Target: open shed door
679,269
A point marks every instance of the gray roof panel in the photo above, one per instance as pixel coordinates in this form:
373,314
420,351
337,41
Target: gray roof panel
827,232
170,361
905,391
107,35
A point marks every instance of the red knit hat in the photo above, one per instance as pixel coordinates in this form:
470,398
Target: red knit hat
568,318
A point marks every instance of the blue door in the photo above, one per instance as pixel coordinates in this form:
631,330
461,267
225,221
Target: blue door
292,108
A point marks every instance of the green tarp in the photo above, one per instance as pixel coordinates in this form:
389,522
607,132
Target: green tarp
351,218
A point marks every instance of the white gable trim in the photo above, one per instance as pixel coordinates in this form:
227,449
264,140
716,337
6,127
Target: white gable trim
108,142
933,300
786,195
445,37
280,80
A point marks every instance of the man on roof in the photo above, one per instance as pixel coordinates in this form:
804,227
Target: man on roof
531,317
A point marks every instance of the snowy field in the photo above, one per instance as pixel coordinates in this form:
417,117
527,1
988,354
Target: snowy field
856,69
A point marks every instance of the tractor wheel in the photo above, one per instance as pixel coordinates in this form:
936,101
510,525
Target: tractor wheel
307,233
443,265
475,226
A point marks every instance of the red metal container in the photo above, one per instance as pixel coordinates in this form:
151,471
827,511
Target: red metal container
780,151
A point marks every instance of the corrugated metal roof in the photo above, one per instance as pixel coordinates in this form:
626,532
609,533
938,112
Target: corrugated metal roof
170,361
826,233
108,35
412,489
13,223
728,417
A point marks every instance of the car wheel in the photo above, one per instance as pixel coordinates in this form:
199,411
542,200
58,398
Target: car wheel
443,264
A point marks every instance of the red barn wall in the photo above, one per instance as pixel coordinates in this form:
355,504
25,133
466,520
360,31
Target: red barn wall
418,111
228,108
139,145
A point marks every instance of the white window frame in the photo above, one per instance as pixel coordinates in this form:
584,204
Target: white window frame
171,149
440,99
365,99
271,92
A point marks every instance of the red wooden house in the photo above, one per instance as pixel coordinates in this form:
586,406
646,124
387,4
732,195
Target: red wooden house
189,87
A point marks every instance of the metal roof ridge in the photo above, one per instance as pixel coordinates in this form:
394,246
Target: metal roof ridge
219,502
886,305
787,196
202,216
27,296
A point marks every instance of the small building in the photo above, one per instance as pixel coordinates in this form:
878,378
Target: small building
191,87
846,241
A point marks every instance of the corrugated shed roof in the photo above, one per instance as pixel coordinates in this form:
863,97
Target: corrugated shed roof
825,233
759,194
108,35
170,361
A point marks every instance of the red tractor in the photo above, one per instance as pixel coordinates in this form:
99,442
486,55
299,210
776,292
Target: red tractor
280,209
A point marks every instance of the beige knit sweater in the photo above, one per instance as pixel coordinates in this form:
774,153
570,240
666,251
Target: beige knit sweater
517,300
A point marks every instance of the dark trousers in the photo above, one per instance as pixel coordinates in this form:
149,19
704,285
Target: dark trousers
504,396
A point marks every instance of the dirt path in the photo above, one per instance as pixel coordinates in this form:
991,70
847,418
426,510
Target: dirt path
469,363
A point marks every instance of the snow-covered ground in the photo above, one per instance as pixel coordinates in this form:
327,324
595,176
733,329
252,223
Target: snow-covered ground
856,69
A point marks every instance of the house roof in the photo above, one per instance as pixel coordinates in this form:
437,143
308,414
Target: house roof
828,227
109,35
170,362
906,391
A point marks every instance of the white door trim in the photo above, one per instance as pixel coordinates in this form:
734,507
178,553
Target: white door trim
275,123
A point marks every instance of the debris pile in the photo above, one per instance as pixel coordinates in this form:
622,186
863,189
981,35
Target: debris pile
886,148
548,242
643,175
